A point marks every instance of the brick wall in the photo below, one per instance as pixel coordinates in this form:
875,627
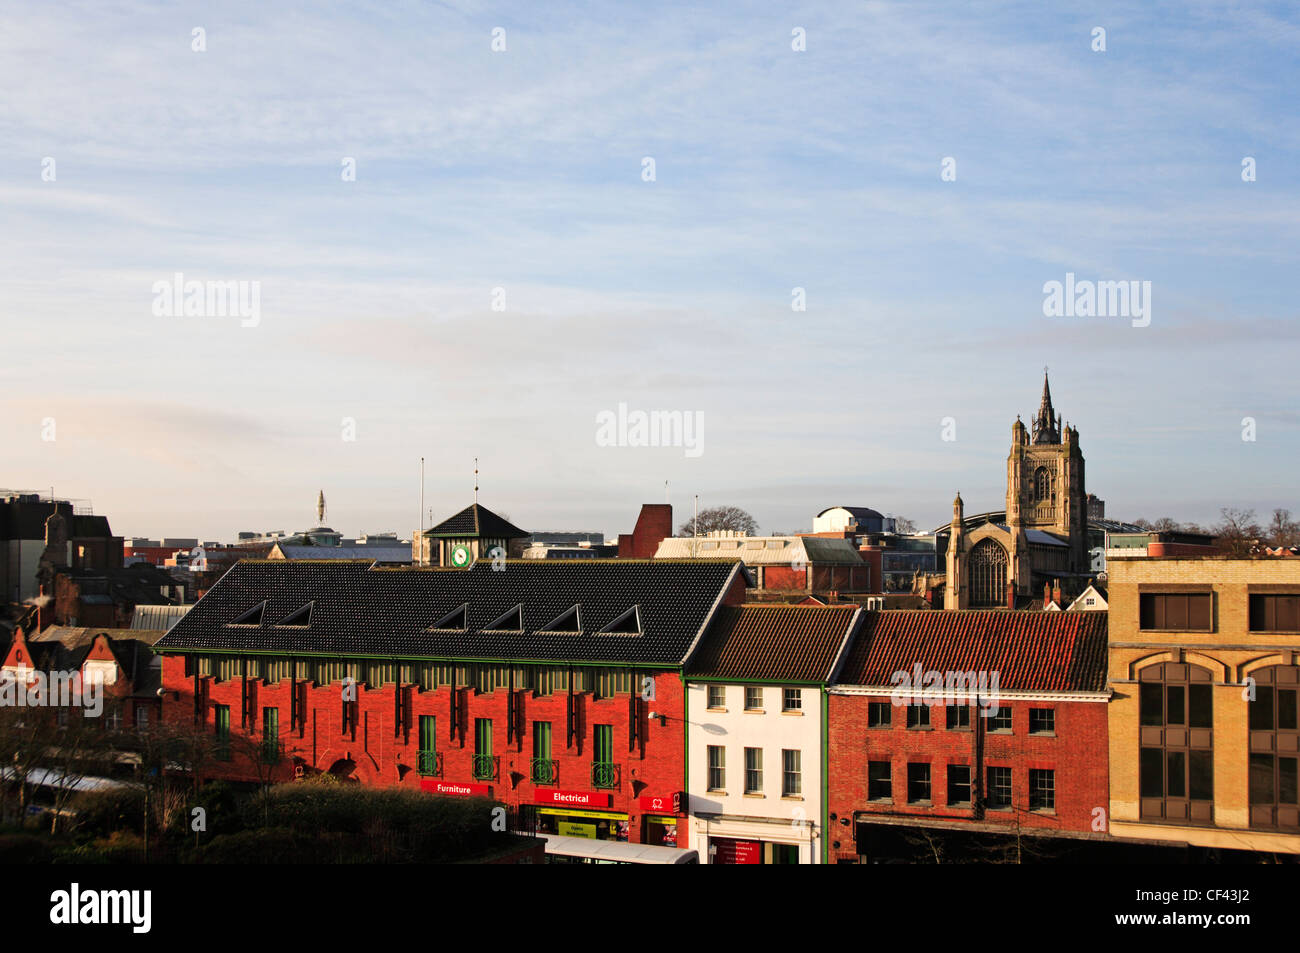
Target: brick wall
1230,652
385,757
1076,753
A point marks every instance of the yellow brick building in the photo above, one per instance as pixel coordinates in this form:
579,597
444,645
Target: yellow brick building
1204,662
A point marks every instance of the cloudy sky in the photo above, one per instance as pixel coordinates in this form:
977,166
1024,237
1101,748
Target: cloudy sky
523,170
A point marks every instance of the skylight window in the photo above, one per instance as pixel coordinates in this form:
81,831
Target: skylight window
252,617
629,623
454,620
570,620
299,617
512,621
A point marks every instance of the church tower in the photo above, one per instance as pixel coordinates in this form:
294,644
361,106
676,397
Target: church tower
956,591
1045,482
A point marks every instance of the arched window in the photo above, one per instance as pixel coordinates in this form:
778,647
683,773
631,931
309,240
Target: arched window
988,574
1274,748
1044,492
1177,743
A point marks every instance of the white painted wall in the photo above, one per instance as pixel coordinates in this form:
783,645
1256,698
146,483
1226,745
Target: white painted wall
781,820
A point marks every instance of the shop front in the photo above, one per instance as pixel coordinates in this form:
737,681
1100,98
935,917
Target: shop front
659,819
751,840
578,814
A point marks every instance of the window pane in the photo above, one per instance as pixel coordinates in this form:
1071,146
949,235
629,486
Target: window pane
1286,710
1198,697
1201,770
1261,709
1152,694
1177,776
1153,773
1286,780
1176,705
1261,779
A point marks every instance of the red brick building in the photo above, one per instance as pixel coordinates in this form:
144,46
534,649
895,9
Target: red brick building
553,686
978,721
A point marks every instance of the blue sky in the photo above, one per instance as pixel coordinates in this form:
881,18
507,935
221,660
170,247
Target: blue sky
521,170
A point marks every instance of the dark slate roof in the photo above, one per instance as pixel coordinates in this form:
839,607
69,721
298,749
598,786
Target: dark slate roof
475,520
362,610
1030,651
381,554
861,512
777,643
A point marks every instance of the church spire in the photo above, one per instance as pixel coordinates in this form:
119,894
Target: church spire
1046,424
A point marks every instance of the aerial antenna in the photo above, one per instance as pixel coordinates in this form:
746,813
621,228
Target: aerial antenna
476,480
420,543
666,500
695,525
320,508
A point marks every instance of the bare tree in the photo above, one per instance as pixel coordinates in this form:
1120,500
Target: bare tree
1237,531
720,518
902,525
1282,530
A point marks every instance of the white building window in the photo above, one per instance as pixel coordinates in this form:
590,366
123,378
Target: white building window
791,780
753,770
717,768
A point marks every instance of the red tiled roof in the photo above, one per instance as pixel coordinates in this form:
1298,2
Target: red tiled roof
780,643
1030,651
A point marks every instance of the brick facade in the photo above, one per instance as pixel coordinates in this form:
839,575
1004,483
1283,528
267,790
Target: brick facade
384,751
1071,752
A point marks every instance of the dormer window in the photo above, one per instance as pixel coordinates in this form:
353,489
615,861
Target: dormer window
512,621
453,621
570,620
299,617
252,617
629,623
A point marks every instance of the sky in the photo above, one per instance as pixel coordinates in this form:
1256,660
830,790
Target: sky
503,271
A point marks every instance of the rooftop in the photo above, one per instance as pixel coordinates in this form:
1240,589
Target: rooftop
1030,651
777,643
620,610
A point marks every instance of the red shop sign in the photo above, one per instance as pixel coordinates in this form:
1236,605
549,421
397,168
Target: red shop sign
736,851
444,787
672,804
574,798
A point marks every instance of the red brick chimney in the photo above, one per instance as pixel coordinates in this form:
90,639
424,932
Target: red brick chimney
653,526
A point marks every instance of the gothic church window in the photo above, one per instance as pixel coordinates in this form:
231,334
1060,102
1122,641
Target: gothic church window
988,574
1044,491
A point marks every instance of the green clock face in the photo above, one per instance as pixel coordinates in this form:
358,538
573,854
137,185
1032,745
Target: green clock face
460,556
